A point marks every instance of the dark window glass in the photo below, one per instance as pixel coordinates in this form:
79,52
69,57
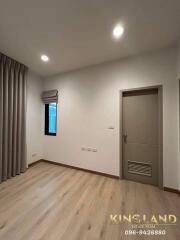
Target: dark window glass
50,119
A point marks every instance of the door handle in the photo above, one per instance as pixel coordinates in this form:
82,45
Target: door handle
125,137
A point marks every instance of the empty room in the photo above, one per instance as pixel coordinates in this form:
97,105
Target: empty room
89,119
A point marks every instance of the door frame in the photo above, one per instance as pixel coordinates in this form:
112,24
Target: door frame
160,134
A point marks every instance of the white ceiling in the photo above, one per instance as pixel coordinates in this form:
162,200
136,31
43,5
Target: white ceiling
77,33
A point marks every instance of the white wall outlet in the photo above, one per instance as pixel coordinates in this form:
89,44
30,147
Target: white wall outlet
88,149
34,154
94,149
111,127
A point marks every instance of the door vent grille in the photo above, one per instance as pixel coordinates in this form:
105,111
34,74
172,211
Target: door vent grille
140,168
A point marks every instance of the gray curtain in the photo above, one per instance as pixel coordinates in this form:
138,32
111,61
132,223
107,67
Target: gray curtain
50,96
12,118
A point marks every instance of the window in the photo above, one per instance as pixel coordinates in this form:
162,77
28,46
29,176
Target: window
50,119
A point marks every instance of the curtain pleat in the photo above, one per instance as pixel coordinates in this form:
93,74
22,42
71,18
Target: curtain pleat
23,126
12,118
10,122
5,120
15,121
1,115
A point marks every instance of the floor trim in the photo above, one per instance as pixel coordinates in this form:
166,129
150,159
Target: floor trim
77,168
34,163
167,189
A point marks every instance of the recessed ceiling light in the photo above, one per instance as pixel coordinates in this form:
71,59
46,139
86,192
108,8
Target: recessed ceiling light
44,58
118,31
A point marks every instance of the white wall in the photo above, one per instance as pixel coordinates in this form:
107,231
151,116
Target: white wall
34,118
89,104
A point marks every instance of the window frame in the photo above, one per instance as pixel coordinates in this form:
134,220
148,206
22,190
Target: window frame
46,129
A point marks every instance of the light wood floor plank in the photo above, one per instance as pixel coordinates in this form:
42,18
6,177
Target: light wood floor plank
50,202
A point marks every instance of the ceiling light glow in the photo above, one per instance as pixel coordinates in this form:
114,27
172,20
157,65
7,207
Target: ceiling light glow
44,58
118,31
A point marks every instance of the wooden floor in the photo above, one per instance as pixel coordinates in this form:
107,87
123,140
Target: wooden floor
50,202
